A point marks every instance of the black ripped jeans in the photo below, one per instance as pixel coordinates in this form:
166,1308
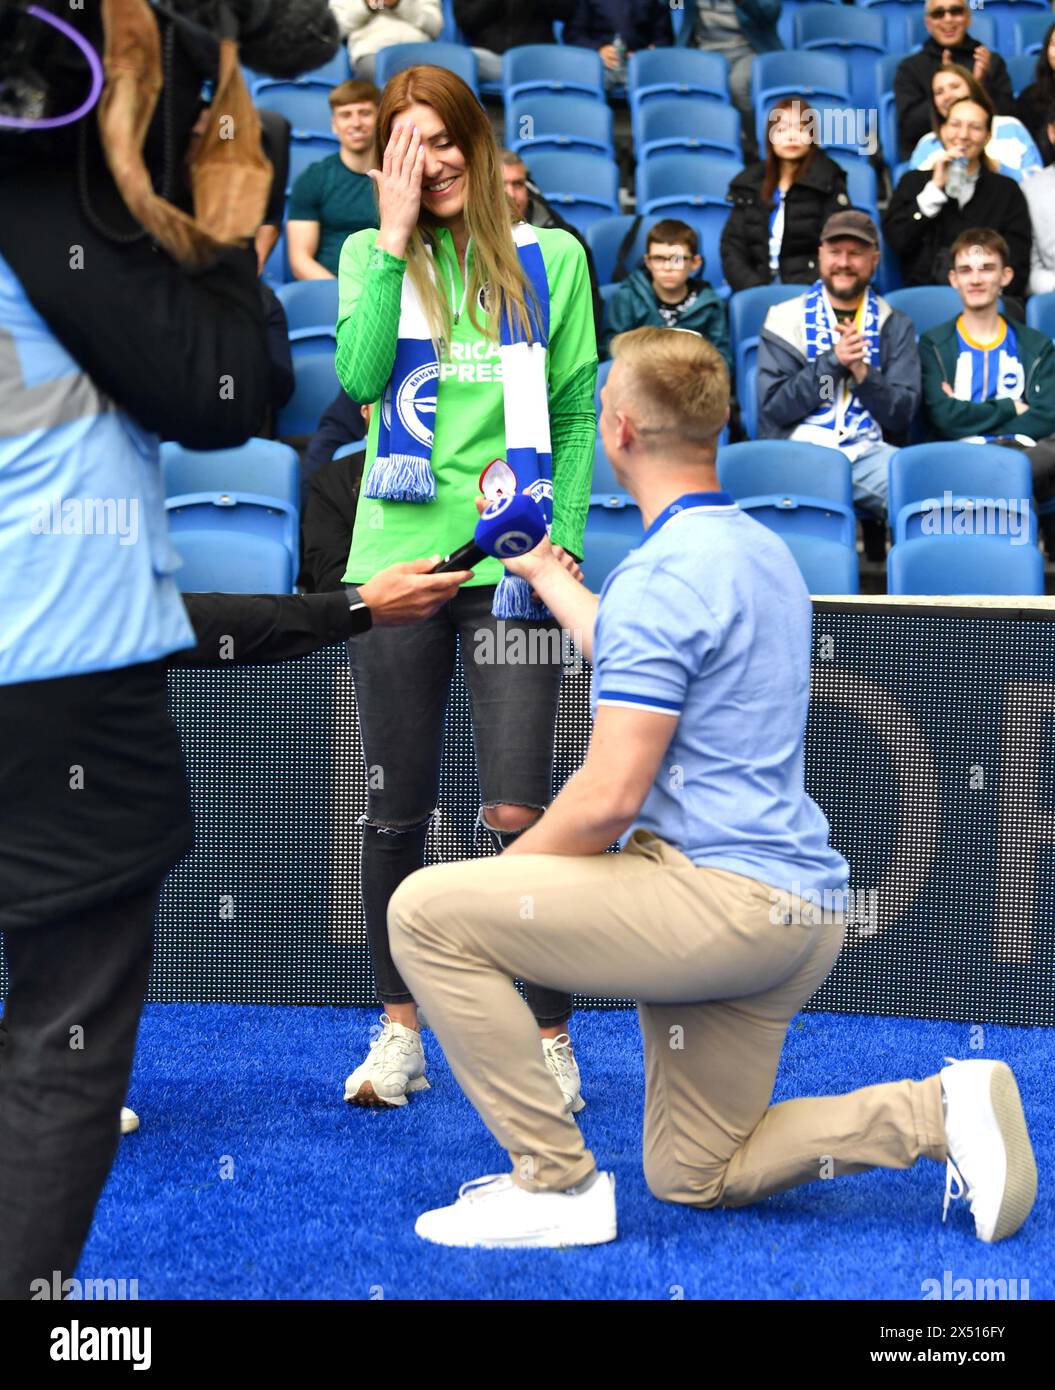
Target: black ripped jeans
402,681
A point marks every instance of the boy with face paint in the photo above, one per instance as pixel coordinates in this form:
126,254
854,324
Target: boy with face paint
988,378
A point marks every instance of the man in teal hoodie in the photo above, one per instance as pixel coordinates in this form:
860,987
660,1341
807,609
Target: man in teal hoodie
668,292
986,378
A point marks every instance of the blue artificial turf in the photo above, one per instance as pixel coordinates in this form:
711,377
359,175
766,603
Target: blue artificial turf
321,1197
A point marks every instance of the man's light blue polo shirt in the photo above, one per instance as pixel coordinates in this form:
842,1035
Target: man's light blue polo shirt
709,619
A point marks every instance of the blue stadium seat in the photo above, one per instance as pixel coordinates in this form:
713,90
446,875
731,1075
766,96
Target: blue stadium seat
1040,313
311,313
606,236
613,529
860,182
684,123
306,108
687,179
747,313
1021,68
357,446
926,305
853,34
260,466
792,514
964,565
315,385
604,482
552,67
328,76
888,275
923,473
840,127
538,119
781,466
310,302
305,149
577,182
981,27
886,68
791,72
677,72
276,267
450,33
455,57
896,16
248,491
243,564
1029,30
827,566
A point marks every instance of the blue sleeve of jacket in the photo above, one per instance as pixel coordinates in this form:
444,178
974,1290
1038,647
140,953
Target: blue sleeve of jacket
790,388
892,395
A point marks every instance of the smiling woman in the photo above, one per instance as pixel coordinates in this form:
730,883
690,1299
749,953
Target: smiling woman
474,334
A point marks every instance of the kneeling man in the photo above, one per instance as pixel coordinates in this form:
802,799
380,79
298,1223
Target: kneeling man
700,644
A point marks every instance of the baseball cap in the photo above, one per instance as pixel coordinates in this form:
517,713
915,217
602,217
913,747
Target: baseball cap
850,222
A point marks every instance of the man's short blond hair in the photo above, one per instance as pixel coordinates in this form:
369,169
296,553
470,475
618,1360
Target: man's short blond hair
675,381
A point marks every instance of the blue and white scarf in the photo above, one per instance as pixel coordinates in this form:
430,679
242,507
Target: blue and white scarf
843,422
402,470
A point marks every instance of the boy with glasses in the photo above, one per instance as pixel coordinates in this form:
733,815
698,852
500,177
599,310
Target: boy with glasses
947,42
668,292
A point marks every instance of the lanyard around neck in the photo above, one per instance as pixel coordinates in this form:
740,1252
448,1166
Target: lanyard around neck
689,501
457,312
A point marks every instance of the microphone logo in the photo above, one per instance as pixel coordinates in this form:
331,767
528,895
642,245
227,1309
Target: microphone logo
514,543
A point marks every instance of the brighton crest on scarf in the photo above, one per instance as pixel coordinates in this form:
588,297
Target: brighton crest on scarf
842,423
402,470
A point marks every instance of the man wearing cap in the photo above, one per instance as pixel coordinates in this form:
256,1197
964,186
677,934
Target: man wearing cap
838,366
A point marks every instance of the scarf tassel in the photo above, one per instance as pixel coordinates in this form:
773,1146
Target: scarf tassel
513,600
401,478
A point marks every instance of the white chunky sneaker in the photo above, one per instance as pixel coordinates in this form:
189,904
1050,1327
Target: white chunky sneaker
990,1156
561,1061
493,1212
394,1068
129,1120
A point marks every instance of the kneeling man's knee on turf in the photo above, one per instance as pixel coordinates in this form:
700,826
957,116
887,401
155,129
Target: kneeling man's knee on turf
692,1187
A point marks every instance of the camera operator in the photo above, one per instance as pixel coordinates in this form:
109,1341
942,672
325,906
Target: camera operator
126,315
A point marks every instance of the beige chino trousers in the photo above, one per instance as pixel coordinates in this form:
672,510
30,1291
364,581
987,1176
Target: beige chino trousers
720,980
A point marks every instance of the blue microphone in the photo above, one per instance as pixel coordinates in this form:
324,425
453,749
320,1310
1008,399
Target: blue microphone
510,526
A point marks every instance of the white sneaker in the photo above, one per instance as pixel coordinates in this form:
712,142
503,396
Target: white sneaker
990,1156
129,1120
494,1212
395,1067
561,1061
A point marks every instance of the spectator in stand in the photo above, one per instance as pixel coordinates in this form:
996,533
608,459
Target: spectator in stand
737,29
948,42
669,292
839,367
1035,101
781,203
1040,196
1011,148
489,27
929,210
335,197
370,25
986,377
527,200
637,23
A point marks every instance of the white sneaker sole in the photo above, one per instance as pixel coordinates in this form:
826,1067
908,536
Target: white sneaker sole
537,1241
367,1096
1020,1186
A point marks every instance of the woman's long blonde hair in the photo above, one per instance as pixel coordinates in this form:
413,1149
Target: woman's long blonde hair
488,214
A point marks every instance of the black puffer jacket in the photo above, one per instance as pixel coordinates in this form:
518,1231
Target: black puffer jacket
810,202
